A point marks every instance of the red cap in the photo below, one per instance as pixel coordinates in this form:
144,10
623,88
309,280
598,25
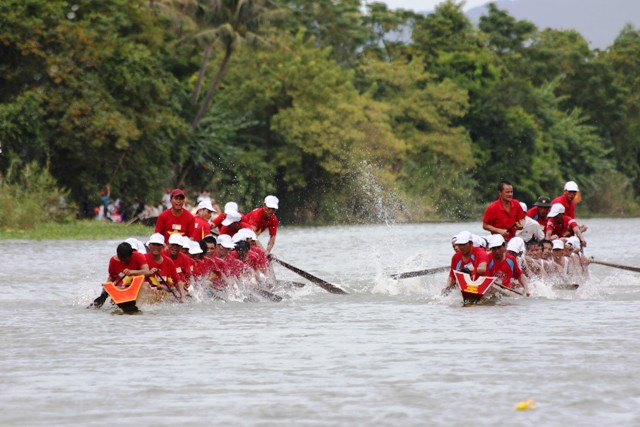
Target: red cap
176,192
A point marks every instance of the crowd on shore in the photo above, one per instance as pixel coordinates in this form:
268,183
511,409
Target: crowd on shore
544,242
187,249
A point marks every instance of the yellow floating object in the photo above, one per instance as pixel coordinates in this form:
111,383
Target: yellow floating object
525,405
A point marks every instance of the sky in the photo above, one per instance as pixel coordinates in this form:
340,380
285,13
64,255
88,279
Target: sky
425,5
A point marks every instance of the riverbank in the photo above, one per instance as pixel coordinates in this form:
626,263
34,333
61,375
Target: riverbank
77,230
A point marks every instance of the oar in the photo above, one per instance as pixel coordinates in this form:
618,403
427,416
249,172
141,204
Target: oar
500,285
420,272
168,287
310,277
620,266
266,294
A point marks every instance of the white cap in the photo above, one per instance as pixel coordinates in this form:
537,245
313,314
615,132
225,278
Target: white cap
495,240
230,207
238,237
156,238
136,245
194,248
186,242
271,202
176,239
226,241
571,186
558,244
463,238
479,241
556,209
516,245
523,205
574,242
250,234
206,204
231,218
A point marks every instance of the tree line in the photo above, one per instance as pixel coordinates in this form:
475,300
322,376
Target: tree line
347,110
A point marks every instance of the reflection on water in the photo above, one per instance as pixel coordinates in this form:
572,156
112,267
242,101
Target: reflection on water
389,353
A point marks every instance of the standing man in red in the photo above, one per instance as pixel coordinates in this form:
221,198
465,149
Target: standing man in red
265,218
176,220
503,216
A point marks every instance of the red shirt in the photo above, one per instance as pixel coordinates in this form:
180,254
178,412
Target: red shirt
184,266
262,261
168,224
535,214
250,263
504,270
478,256
232,229
569,208
135,263
201,229
497,216
167,269
260,223
564,229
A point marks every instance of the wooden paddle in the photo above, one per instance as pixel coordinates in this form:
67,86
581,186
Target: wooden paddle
266,294
310,277
170,289
500,285
620,266
420,272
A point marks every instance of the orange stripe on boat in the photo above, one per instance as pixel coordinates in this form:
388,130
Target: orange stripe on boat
130,293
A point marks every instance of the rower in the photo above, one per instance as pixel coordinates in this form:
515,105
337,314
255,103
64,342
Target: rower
182,261
559,266
505,215
126,263
540,210
202,219
263,218
467,258
560,225
163,266
531,229
228,208
232,223
504,266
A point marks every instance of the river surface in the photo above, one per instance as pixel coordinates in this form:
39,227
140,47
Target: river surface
391,353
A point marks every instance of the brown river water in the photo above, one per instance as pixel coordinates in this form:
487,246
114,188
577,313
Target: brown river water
390,353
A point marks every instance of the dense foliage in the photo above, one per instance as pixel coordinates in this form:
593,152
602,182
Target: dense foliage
347,111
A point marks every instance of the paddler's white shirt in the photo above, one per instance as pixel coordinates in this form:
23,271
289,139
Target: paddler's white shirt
531,230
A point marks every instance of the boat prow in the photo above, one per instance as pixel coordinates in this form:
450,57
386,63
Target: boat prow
474,291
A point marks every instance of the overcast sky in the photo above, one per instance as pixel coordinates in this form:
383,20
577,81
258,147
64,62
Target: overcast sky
425,5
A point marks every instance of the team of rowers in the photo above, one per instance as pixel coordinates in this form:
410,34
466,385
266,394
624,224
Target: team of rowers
183,251
543,242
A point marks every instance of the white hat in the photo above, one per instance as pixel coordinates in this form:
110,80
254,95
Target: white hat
574,242
271,202
186,242
231,218
556,209
479,241
226,241
516,245
206,204
136,245
230,207
463,238
156,238
571,186
238,237
558,244
523,205
194,248
242,234
250,234
495,240
176,239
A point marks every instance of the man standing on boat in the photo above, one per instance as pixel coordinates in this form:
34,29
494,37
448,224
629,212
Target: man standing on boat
504,266
505,215
264,218
467,258
176,220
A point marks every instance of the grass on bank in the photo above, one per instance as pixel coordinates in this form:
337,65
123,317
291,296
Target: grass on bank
77,230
